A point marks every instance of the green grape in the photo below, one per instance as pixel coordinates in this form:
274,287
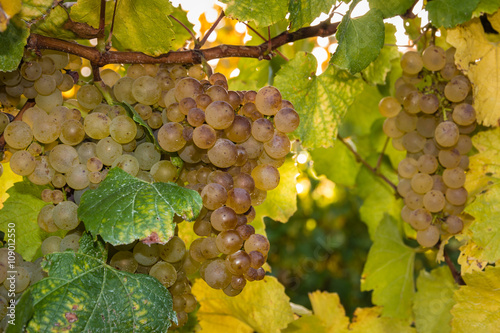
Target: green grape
213,196
164,272
464,114
136,70
70,242
18,134
456,196
421,183
240,129
239,200
67,83
209,248
406,122
155,121
146,90
147,155
420,219
217,275
453,224
127,163
258,243
122,129
109,76
97,125
457,89
187,87
60,59
89,96
122,90
186,104
43,172
45,219
219,115
144,111
286,120
63,157
268,100
266,177
146,255
446,134
434,58
426,126
45,85
124,261
427,164
262,130
4,121
413,200
217,93
22,280
390,128
428,237
77,177
229,241
449,158
107,150
85,151
72,132
22,163
170,137
223,153
454,178
411,62
49,102
31,70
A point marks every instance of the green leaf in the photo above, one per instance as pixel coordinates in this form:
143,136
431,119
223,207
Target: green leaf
483,185
254,74
486,7
303,12
390,8
321,101
449,13
25,304
12,42
88,11
434,300
180,33
84,294
33,9
53,25
377,71
478,302
338,164
281,203
262,306
22,208
143,26
262,12
125,208
360,41
378,197
389,271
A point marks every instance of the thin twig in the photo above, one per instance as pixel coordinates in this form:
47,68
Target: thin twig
29,103
184,26
453,269
212,28
368,166
258,34
379,161
108,43
102,17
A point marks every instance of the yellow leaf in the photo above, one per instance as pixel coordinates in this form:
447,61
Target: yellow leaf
369,320
478,303
263,306
470,258
495,20
8,179
328,308
480,60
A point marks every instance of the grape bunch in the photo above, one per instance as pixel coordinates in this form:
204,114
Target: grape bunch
431,118
231,144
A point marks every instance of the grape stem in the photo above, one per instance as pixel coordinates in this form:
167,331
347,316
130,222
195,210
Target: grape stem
29,103
453,269
184,26
367,165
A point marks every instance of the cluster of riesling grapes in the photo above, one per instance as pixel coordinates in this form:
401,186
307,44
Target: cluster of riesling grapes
231,144
431,117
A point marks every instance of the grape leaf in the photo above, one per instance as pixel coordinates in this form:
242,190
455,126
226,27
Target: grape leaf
434,300
22,208
8,8
479,59
377,71
321,101
470,258
389,271
33,9
303,12
449,13
143,26
83,294
390,8
328,308
486,7
281,203
373,320
180,33
478,302
125,208
360,41
262,306
378,197
483,185
53,25
254,73
89,11
8,179
262,12
307,324
337,163
13,40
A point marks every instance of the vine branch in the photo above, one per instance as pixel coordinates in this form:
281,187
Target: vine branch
260,52
367,165
453,269
209,32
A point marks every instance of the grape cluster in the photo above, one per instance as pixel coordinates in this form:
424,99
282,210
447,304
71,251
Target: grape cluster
231,144
431,117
